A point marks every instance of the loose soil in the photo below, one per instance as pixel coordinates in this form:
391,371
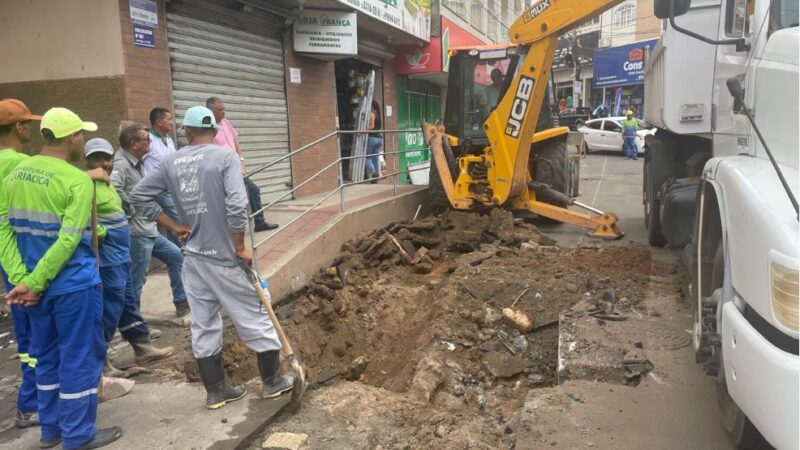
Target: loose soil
412,346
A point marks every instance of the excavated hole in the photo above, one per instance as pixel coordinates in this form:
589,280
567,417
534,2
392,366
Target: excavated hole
433,330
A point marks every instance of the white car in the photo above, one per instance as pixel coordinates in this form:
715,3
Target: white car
606,134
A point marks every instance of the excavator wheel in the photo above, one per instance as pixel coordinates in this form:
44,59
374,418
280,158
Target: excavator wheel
551,166
439,201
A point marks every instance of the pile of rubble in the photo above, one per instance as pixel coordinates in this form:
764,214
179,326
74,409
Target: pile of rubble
442,325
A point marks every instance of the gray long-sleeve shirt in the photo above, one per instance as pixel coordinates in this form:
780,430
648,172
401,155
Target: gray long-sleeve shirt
126,175
206,184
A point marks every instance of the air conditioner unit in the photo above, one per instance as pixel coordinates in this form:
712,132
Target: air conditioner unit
604,42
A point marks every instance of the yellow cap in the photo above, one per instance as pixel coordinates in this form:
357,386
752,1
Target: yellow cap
629,113
63,122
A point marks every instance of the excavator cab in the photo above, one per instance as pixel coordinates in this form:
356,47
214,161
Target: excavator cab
478,78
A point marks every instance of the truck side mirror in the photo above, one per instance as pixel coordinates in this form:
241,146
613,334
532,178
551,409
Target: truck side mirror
662,7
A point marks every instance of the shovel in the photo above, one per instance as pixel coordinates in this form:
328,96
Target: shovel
300,376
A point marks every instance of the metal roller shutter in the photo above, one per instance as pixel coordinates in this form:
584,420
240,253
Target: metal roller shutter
246,71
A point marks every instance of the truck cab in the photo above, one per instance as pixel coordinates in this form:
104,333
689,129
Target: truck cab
726,194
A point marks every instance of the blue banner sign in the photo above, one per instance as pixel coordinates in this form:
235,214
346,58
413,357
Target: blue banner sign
621,66
144,37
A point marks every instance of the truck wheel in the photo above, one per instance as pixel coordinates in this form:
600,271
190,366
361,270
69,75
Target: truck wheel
652,221
742,432
439,201
550,167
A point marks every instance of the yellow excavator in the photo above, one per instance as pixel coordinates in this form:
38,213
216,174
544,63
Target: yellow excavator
496,145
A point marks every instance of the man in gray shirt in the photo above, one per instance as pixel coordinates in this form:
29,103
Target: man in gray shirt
206,184
146,241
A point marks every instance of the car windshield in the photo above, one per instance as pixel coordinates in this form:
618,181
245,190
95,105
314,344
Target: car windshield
485,90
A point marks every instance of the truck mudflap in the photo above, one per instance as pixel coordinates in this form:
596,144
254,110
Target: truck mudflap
677,199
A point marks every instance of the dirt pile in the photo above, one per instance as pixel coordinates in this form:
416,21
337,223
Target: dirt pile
415,310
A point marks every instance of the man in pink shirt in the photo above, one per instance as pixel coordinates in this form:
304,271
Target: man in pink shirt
228,137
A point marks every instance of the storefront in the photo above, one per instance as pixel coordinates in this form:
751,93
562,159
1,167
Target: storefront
619,73
421,87
238,57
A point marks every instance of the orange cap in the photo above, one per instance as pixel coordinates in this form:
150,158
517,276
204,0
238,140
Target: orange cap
13,111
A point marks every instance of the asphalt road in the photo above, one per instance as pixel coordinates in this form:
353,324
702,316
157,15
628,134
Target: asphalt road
676,407
610,183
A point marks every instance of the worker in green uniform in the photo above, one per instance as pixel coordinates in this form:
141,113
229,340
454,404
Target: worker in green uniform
15,131
629,127
46,250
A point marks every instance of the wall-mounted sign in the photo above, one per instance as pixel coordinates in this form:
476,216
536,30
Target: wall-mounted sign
621,66
412,16
144,37
433,57
330,32
144,12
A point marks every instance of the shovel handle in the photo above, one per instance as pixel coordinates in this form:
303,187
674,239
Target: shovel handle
256,282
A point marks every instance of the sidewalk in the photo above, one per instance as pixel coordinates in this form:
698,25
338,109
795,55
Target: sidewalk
282,213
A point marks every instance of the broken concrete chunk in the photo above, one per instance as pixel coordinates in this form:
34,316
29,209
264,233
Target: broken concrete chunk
284,441
528,247
517,319
356,368
503,365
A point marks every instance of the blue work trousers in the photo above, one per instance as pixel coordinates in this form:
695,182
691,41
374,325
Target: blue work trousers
629,148
26,396
120,308
145,248
68,337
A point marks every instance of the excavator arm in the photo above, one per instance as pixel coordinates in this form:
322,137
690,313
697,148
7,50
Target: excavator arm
511,125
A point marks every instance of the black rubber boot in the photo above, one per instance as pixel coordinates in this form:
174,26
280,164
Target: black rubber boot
274,383
103,437
26,420
213,375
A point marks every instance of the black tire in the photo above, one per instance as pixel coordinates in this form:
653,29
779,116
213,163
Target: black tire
439,201
578,124
652,220
550,167
742,433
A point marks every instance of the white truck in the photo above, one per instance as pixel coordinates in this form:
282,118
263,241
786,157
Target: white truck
720,180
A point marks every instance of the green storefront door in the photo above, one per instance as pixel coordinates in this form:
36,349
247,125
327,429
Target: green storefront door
416,100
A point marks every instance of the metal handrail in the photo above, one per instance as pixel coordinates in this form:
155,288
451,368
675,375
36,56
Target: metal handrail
341,185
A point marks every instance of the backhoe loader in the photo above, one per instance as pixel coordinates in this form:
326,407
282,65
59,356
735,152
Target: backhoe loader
496,146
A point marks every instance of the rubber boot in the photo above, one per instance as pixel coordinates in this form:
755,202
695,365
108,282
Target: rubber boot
103,437
145,351
213,375
274,383
110,371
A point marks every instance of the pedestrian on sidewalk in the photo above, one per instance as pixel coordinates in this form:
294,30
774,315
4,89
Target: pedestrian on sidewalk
374,142
146,241
629,127
205,181
45,245
161,145
15,131
228,137
120,308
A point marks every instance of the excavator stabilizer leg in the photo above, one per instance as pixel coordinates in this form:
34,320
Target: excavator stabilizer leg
601,226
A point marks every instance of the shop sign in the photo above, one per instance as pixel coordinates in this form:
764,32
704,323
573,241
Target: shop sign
144,12
621,66
411,16
434,57
144,37
331,32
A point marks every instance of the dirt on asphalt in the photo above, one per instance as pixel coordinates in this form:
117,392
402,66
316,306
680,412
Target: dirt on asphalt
413,349
413,346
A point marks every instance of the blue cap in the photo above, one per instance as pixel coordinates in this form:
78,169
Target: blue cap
199,117
98,145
